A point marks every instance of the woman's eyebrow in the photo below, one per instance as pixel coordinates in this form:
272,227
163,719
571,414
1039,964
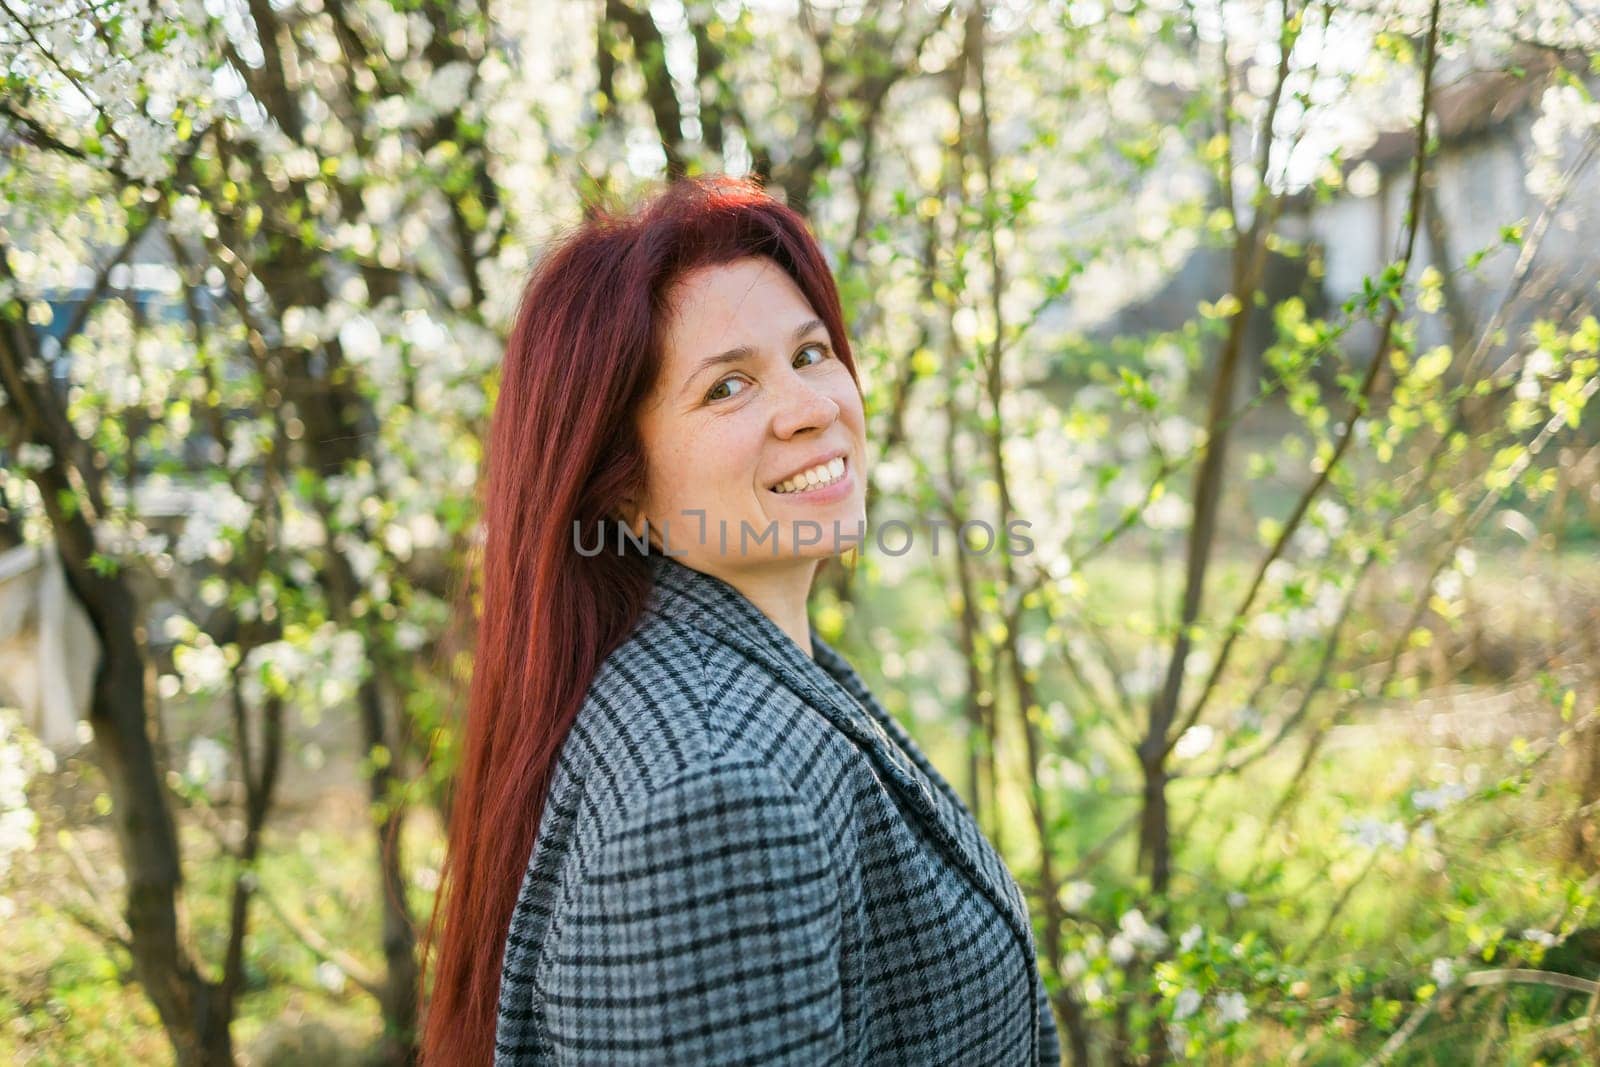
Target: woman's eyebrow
742,352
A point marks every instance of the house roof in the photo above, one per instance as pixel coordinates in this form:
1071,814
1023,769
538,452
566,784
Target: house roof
1473,105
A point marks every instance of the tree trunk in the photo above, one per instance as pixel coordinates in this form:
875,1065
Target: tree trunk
399,993
194,1021
194,1017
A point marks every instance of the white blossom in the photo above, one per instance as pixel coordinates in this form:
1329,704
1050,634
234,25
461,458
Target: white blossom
1442,971
213,513
321,670
149,147
1311,542
1140,932
301,530
1438,799
1540,363
1542,938
1332,516
32,457
202,666
17,829
1061,773
1374,833
408,636
1195,741
1167,512
1564,116
330,977
446,88
190,219
1232,1008
207,763
21,756
363,557
1075,895
249,441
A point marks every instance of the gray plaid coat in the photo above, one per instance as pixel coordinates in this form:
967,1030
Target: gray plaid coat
744,859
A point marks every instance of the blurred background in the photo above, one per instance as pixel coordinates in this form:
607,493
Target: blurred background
1275,320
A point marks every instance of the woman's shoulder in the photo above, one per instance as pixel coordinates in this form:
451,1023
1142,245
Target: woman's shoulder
651,718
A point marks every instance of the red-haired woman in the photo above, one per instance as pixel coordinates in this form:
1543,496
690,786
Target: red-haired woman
683,831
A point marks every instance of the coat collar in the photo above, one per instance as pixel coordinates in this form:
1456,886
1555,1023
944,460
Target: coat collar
830,685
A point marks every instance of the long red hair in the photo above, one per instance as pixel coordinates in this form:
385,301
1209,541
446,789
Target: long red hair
583,353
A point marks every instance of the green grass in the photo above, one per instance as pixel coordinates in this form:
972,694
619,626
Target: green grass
1495,866
66,998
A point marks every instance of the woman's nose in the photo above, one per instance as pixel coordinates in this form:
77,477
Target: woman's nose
802,407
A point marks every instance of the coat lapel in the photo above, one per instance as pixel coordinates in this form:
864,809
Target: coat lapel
830,685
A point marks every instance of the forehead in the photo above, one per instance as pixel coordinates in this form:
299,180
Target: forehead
712,308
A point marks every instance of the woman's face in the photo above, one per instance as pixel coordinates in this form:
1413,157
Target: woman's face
754,434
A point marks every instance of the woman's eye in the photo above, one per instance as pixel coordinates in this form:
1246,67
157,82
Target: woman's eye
819,348
716,395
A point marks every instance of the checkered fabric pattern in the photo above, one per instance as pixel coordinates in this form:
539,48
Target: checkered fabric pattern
744,859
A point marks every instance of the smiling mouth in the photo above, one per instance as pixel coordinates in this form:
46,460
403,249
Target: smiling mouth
819,477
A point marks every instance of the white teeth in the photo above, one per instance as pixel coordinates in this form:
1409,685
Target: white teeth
816,476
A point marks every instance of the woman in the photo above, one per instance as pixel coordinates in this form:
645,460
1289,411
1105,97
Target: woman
684,832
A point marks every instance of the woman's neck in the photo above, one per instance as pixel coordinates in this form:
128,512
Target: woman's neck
779,590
